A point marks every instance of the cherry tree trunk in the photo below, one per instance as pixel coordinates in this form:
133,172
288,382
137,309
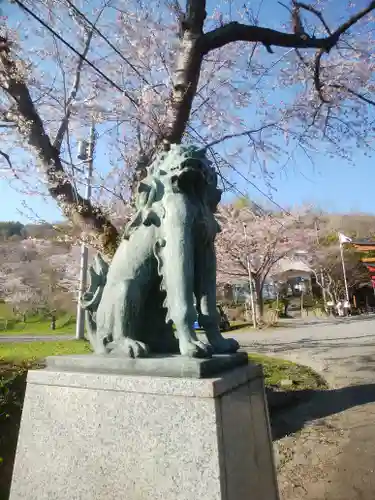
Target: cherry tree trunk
259,304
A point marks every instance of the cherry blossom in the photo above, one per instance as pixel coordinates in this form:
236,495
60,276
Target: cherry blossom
258,241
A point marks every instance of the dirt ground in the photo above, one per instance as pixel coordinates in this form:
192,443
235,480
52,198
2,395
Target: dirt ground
331,457
325,448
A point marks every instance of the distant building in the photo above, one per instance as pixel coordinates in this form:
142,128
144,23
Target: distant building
292,273
296,274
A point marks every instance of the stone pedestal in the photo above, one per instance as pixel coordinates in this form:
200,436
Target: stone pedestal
93,432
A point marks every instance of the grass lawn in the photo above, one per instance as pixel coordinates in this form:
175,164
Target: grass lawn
277,370
24,353
39,326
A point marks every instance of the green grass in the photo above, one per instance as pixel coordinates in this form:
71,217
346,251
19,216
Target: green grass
27,352
275,370
40,326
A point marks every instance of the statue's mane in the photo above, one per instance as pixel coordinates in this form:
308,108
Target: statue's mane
159,178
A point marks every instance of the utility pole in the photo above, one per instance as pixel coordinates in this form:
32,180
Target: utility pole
253,313
321,268
86,153
344,272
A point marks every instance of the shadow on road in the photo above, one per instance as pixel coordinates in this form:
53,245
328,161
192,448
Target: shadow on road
297,322
232,328
318,405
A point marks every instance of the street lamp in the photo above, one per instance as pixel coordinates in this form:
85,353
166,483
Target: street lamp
85,153
253,314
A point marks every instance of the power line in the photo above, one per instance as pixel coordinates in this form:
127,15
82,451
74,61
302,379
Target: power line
246,179
233,186
213,153
113,47
241,193
123,91
67,44
260,191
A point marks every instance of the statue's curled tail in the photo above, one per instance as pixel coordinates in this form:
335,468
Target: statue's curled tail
92,297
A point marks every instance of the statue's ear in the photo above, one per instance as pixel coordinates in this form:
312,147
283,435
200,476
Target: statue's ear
143,188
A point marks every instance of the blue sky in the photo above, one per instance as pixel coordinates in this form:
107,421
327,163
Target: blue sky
331,184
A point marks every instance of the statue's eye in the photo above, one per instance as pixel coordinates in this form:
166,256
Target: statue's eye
192,163
174,182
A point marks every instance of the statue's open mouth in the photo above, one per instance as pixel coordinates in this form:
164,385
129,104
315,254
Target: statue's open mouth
191,179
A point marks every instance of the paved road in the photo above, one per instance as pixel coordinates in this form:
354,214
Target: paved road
326,447
343,352
308,321
34,338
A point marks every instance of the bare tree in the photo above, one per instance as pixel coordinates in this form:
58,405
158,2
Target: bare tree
327,266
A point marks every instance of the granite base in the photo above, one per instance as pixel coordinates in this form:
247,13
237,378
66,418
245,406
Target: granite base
105,436
156,366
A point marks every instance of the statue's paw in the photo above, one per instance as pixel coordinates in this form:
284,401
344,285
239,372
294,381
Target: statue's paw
133,348
195,349
225,346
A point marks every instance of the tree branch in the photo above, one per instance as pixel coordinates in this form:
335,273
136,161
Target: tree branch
80,15
236,32
7,159
319,283
7,125
353,92
318,84
75,88
239,134
353,20
316,12
30,126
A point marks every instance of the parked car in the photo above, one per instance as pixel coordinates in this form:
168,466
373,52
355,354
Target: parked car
224,323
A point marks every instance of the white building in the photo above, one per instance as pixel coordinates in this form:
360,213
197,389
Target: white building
286,270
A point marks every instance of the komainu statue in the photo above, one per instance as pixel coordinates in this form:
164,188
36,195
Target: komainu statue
143,302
